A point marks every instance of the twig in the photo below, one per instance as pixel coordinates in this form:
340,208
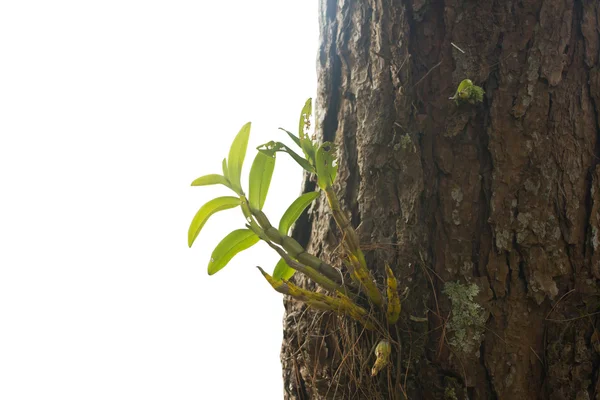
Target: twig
538,357
428,72
494,333
443,335
344,359
458,48
424,266
436,274
379,54
403,62
555,304
573,319
407,368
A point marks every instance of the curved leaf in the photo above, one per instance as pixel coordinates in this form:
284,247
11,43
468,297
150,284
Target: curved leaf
237,153
294,137
208,209
260,179
273,147
305,115
283,271
295,210
212,179
236,241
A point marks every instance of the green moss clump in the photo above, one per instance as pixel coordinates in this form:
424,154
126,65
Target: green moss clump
450,394
453,390
468,92
406,141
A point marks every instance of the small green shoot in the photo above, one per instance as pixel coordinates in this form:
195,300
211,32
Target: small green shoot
467,92
237,153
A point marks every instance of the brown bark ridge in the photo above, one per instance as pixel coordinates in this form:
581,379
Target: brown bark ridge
503,196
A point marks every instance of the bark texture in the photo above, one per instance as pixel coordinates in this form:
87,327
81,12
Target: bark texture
504,195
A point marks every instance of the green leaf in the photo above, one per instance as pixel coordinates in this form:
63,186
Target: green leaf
208,209
237,153
225,171
464,84
260,179
295,210
273,147
236,241
305,115
326,165
212,179
308,148
294,137
305,141
283,271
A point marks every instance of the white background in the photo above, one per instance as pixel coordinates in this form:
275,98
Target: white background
108,111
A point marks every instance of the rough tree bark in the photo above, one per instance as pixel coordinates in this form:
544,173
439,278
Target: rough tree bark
504,195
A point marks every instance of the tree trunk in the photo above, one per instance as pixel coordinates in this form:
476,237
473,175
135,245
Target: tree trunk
501,197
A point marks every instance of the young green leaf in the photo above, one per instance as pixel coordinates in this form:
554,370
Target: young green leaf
468,92
305,115
237,153
273,147
260,179
295,210
212,179
225,171
236,241
208,209
326,165
294,137
283,271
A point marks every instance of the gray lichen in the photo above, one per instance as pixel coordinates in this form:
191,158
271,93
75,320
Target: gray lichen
468,318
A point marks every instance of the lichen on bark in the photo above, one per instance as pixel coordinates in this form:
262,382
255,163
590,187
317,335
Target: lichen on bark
467,319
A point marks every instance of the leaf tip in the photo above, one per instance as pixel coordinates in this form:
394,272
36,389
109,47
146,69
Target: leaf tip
388,271
211,270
